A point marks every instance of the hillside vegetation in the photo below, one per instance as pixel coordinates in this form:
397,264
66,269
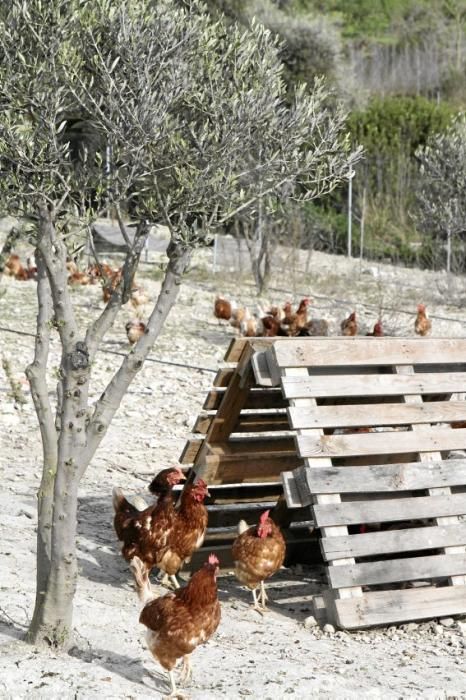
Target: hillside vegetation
400,66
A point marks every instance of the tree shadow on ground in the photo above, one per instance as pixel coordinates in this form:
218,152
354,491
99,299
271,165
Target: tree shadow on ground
130,669
290,590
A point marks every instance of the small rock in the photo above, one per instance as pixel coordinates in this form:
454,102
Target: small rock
462,628
447,621
411,627
437,629
310,622
329,629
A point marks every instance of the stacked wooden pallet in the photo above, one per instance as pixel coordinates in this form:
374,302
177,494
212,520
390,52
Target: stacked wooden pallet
388,502
243,443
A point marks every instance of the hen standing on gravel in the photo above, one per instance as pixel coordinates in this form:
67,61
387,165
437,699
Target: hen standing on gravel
178,622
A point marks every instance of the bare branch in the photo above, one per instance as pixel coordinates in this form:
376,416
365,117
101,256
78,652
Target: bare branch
120,296
108,403
36,371
54,254
122,226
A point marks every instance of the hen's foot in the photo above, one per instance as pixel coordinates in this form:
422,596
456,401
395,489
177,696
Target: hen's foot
186,671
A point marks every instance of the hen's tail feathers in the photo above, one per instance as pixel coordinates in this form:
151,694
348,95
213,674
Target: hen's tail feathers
242,527
141,579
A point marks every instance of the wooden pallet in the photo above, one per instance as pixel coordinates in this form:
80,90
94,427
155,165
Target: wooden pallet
242,444
396,482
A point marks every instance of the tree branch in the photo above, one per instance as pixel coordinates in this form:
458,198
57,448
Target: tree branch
54,254
36,371
120,296
108,403
10,241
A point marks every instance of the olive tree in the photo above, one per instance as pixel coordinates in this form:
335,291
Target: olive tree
175,100
441,191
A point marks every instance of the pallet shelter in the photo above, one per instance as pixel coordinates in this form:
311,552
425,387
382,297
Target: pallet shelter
361,431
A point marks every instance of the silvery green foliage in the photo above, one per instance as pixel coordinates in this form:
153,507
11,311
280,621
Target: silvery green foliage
191,115
441,192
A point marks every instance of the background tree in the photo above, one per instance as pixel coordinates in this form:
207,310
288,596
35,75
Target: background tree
176,101
441,195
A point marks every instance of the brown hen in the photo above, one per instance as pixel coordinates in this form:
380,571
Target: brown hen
258,552
422,324
178,622
145,533
349,326
187,532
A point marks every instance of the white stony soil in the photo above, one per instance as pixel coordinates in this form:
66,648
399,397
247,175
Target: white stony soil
273,657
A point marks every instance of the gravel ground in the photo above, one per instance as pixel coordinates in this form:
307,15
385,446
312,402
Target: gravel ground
283,654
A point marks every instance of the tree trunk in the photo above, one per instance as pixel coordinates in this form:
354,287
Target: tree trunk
71,442
52,620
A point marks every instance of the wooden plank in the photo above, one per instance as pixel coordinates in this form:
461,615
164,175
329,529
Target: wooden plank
237,345
223,376
389,510
397,570
202,424
293,496
261,369
217,469
256,398
258,422
388,607
322,498
245,492
250,447
357,415
424,457
393,541
328,352
409,476
375,385
190,451
394,442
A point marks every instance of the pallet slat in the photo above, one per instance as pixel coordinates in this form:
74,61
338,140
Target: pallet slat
319,352
220,469
257,398
389,510
258,422
388,414
393,541
388,607
409,476
383,443
397,570
330,385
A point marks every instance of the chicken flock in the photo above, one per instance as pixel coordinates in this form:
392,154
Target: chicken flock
165,536
103,273
284,321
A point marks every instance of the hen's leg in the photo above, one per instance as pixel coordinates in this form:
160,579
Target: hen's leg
175,694
257,605
263,596
186,671
165,581
174,580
